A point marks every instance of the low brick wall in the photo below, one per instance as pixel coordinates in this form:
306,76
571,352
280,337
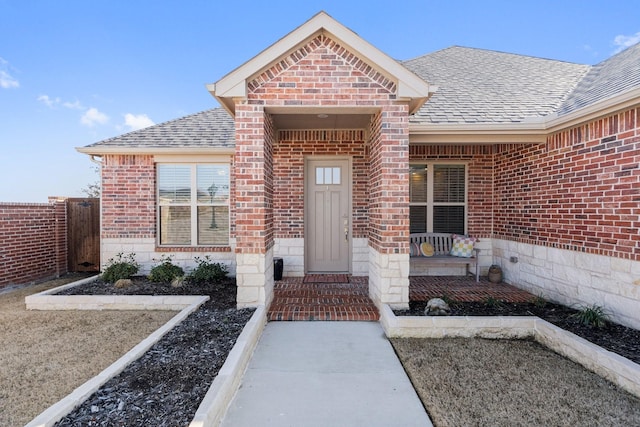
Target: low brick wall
33,243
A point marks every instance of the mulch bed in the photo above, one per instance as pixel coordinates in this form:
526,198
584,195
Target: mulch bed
613,337
166,385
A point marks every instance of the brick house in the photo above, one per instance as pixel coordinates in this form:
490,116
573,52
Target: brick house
328,153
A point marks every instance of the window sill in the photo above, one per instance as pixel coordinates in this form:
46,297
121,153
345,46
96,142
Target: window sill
193,248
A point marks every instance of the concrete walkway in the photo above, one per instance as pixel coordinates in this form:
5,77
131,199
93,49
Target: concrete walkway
325,374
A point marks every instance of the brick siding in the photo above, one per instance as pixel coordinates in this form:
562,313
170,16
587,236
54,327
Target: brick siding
480,164
325,73
34,242
128,197
289,154
579,191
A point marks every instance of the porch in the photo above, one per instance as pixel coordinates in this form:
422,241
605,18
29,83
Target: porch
344,297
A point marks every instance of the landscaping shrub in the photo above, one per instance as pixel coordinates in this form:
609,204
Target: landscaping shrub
208,271
166,271
120,267
592,316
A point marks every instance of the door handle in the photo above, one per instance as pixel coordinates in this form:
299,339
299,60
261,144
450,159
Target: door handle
346,229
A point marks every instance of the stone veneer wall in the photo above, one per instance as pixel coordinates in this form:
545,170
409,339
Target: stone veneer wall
569,210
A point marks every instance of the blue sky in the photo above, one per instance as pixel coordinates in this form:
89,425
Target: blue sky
76,72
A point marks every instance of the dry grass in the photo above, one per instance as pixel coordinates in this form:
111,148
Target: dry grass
47,354
477,382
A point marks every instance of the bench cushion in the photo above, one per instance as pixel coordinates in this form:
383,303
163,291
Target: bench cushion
426,249
462,246
414,249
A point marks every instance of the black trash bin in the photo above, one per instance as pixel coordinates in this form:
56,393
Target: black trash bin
278,267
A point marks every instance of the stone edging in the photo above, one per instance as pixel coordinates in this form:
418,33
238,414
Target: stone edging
220,393
224,387
48,300
611,366
58,410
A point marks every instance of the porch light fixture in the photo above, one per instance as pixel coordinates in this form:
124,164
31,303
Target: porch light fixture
323,116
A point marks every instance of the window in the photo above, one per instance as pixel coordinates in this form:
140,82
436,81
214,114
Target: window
327,176
437,198
193,204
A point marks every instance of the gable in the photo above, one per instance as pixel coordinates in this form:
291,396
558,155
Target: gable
322,69
409,86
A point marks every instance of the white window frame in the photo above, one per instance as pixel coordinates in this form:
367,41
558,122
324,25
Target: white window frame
193,204
430,181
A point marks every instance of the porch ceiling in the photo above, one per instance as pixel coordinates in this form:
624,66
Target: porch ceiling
321,121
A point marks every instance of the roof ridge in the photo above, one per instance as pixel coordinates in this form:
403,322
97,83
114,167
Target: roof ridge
479,49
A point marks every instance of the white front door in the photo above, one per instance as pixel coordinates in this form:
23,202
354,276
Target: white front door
327,216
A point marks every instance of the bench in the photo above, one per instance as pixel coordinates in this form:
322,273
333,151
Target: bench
441,243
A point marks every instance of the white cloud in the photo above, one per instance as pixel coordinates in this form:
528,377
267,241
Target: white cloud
76,105
135,122
624,42
54,102
7,81
92,117
49,102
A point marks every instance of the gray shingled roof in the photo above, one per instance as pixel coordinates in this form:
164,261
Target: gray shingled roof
474,86
210,128
606,79
483,86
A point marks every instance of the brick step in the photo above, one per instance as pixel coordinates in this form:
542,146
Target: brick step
297,301
325,313
311,302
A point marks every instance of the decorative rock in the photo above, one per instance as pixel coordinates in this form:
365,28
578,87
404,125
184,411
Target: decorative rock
178,282
123,283
437,307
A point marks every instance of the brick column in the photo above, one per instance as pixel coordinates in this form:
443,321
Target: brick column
389,208
254,239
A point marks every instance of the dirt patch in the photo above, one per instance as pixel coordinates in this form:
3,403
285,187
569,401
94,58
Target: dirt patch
613,337
47,354
477,382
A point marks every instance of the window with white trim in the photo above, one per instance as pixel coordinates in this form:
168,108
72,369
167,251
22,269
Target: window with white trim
437,198
193,204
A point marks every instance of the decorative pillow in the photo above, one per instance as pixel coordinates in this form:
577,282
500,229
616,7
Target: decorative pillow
462,246
426,249
414,250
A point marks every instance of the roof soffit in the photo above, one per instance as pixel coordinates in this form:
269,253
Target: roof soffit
234,85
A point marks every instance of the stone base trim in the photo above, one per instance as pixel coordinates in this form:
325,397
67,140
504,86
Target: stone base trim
389,279
254,278
573,278
148,254
611,366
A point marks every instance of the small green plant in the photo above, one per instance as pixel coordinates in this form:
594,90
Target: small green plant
120,267
446,298
539,301
593,315
493,302
207,271
166,271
